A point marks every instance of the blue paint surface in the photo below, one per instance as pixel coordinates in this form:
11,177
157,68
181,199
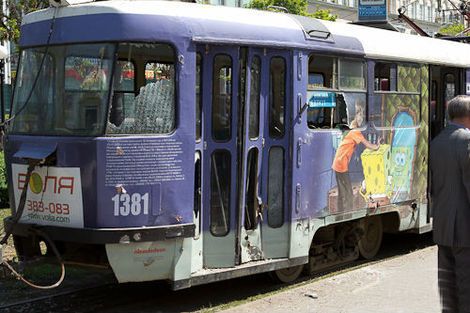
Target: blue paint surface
160,28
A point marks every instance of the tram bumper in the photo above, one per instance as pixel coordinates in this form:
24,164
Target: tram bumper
103,235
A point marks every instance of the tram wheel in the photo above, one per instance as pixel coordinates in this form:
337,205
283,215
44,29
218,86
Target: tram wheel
370,243
287,275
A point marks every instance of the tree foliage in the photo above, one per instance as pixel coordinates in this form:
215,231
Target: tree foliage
452,30
298,7
11,17
324,15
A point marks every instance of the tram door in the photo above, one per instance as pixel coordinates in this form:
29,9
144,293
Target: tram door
446,83
245,149
220,87
265,141
276,142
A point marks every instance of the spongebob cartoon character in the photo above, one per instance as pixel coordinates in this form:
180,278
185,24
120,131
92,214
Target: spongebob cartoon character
401,172
376,165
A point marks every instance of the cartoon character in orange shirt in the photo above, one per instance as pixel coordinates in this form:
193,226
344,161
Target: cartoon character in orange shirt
343,157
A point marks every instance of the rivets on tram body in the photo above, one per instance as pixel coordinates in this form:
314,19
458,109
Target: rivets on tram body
119,151
137,236
125,240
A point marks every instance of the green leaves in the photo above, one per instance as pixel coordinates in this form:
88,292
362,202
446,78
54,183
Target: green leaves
11,18
298,7
324,15
452,30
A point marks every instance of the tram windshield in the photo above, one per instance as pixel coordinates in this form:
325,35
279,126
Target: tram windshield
65,90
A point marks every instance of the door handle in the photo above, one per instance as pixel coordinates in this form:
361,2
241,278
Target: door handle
299,151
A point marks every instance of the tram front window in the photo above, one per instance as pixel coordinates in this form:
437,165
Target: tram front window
63,90
143,98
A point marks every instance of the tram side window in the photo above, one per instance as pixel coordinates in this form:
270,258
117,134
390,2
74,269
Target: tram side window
385,77
152,108
322,72
277,97
352,74
326,110
222,98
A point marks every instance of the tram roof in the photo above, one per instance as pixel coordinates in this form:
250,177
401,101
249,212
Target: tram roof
390,45
153,20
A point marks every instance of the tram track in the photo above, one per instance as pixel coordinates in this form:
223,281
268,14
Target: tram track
16,304
157,297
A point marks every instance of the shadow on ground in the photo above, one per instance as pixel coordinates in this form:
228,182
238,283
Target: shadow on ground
156,296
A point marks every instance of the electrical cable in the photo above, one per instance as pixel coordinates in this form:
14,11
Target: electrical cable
32,163
18,214
57,254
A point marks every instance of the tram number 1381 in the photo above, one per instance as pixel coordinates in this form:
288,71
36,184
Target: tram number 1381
133,204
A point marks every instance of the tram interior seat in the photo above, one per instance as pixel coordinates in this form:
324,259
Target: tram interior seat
154,110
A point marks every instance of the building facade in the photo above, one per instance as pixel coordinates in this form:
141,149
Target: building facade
430,15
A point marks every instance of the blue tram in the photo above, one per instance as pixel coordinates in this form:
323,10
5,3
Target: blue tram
192,143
